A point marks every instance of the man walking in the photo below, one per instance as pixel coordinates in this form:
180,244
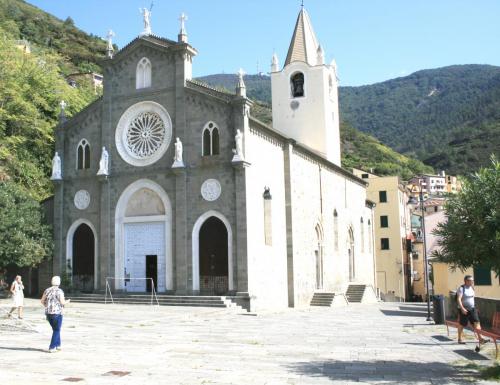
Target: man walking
467,310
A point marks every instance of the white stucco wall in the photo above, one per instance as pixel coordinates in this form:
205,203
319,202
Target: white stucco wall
314,202
267,264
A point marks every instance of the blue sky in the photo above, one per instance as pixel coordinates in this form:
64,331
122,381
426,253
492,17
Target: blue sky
371,40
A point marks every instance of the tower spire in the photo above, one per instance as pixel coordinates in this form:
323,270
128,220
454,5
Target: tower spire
304,45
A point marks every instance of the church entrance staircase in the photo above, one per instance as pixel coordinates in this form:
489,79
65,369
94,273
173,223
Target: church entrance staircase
163,300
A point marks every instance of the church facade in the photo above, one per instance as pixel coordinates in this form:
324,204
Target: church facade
167,178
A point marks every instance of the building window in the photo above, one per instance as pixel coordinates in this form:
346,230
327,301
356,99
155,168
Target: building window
210,139
384,221
297,84
369,236
364,176
83,155
336,229
384,243
382,196
268,220
143,74
362,235
482,276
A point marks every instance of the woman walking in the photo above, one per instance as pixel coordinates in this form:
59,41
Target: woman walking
53,300
17,297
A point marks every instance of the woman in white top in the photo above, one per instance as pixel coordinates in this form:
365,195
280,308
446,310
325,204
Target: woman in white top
17,296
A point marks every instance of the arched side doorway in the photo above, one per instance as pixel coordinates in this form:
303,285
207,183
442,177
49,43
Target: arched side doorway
81,255
213,257
318,253
212,240
143,246
350,253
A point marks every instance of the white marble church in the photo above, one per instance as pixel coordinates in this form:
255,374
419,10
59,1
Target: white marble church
167,178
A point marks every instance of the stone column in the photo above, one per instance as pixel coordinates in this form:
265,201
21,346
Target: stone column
241,109
182,284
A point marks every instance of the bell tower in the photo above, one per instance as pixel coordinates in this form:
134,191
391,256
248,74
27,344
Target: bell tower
305,93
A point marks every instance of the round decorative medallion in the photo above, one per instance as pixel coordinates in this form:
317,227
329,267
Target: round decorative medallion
210,190
82,199
143,133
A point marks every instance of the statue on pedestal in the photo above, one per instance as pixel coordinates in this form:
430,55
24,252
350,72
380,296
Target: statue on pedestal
178,162
146,15
104,163
56,167
238,151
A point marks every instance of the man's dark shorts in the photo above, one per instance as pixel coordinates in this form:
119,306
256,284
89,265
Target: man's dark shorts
472,316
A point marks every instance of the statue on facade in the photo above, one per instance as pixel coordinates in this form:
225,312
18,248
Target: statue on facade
146,15
238,151
178,162
56,167
104,163
110,48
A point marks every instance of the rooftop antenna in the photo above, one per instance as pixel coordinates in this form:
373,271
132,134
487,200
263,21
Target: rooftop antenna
302,4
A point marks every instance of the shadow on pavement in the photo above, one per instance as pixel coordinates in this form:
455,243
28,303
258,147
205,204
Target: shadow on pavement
23,349
403,313
414,308
471,354
442,338
388,372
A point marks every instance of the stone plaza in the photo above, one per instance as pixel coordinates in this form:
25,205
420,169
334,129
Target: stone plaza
384,343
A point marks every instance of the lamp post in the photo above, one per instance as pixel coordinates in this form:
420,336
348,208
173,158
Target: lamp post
413,202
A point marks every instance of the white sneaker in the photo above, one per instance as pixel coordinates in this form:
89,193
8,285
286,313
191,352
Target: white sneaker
53,350
58,348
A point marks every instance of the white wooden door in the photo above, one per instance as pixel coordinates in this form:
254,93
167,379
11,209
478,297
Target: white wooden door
143,239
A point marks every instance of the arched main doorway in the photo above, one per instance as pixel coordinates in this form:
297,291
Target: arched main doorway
350,252
143,221
213,257
81,255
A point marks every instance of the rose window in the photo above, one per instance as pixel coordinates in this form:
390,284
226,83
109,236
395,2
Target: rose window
145,134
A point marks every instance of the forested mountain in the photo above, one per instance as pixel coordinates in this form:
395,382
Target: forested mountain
447,117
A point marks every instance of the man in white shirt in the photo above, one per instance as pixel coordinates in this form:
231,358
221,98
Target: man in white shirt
467,310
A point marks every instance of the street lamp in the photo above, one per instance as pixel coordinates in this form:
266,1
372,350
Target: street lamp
413,202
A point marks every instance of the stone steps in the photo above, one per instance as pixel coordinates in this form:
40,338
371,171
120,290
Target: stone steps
355,293
322,299
163,300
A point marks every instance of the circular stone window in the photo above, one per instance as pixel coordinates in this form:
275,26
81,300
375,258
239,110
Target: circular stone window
143,133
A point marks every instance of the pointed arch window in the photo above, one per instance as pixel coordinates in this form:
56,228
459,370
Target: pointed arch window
336,230
143,74
210,139
83,155
297,84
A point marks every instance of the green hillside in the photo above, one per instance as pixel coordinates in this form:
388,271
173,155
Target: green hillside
31,88
25,21
447,117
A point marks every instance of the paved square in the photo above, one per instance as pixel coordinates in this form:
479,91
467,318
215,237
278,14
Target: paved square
120,344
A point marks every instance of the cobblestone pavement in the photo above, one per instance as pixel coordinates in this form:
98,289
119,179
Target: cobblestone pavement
383,343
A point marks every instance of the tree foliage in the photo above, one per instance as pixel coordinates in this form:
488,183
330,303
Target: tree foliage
471,234
31,88
25,239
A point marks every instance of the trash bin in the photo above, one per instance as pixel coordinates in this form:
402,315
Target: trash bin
438,309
